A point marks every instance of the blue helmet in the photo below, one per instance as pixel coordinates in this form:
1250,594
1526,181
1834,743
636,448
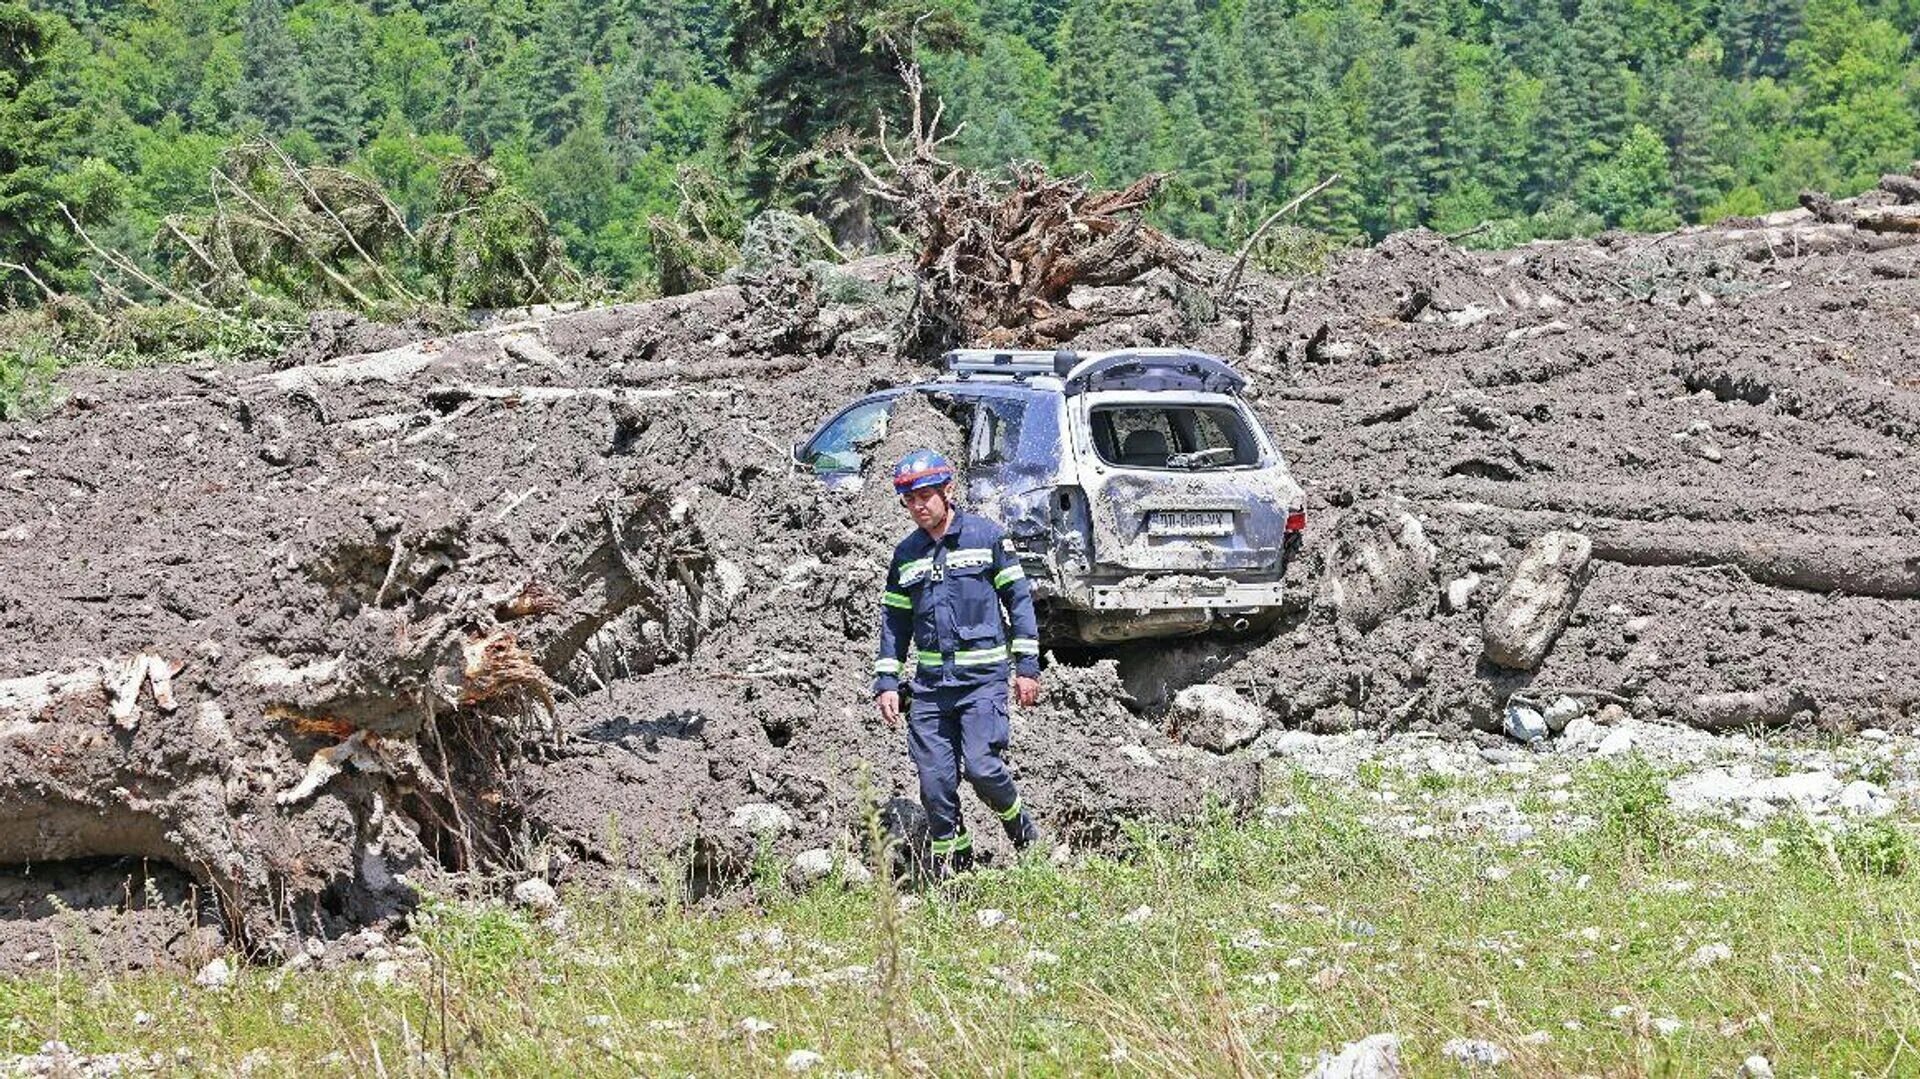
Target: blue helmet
921,468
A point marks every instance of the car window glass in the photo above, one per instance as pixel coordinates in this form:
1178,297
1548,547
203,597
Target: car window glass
996,431
1172,436
837,449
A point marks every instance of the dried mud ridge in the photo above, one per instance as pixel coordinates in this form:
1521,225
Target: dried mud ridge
281,644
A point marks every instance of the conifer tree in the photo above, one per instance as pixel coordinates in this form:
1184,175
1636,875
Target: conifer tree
269,90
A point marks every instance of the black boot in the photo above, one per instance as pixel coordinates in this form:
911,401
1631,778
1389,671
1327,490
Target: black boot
951,861
1022,831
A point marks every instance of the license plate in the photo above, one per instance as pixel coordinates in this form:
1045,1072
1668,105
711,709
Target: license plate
1190,523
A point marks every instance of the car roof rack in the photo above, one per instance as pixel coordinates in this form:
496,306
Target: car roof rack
1019,364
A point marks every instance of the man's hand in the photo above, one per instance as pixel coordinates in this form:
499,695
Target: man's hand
1026,690
889,703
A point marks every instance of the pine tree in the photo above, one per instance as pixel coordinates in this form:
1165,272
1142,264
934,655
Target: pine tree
1399,138
1328,150
336,96
35,131
1597,64
269,91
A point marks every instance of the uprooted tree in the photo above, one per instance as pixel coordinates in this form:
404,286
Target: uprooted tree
282,231
997,258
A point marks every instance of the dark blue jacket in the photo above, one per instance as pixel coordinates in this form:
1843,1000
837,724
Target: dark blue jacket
944,601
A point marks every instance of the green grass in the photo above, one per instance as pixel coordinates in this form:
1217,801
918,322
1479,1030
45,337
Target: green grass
1230,949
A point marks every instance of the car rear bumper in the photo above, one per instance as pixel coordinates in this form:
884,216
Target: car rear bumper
1185,594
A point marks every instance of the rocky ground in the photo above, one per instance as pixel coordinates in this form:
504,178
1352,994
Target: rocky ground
288,640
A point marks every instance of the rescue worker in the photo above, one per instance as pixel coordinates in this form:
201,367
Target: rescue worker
945,589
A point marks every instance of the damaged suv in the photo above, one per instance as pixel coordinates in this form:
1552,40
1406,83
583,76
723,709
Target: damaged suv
1137,486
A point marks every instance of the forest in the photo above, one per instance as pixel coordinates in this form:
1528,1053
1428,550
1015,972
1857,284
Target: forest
135,135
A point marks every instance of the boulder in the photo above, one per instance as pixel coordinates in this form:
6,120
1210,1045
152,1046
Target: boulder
1381,562
1524,622
1215,717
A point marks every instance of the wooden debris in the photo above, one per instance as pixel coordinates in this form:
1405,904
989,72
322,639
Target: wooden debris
997,258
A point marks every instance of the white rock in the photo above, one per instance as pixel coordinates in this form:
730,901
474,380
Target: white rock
1523,724
1709,954
1140,755
1614,744
761,818
1460,591
1702,790
1374,1057
801,1060
988,917
1475,1053
1810,789
1216,717
1137,915
215,975
1865,798
812,865
1582,732
1756,1067
1523,624
1563,711
755,1025
1667,1026
537,895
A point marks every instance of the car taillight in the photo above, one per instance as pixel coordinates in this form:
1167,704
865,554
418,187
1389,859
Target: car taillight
1297,520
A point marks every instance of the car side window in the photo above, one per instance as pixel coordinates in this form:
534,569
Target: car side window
838,448
996,431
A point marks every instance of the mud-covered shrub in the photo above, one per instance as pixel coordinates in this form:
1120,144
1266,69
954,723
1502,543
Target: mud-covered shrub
1876,849
27,366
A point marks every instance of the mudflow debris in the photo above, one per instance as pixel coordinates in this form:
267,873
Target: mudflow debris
283,643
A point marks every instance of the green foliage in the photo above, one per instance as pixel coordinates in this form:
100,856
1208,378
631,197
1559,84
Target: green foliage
1508,122
1877,848
28,363
489,246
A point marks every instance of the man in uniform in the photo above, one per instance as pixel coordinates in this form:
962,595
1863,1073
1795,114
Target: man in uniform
945,590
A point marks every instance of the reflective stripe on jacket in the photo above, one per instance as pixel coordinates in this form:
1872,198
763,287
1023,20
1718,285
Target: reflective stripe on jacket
949,603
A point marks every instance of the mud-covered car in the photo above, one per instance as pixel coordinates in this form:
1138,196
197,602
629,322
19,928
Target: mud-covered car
1138,487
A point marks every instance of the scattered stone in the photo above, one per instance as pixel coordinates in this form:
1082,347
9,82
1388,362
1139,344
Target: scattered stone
813,865
1137,915
1215,717
1523,724
801,1060
1709,954
1866,799
1563,711
1582,731
989,917
536,895
217,974
1756,1067
1475,1053
1460,591
1526,620
1616,743
761,818
1637,627
754,1025
1666,1025
1373,1057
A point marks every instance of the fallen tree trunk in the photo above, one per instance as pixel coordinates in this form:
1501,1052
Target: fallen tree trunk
1630,501
1888,569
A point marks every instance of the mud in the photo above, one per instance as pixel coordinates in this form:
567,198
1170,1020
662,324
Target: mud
549,596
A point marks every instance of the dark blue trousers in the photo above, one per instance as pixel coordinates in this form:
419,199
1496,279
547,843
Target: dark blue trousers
959,732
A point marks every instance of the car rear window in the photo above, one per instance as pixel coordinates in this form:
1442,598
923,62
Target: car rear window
1195,437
